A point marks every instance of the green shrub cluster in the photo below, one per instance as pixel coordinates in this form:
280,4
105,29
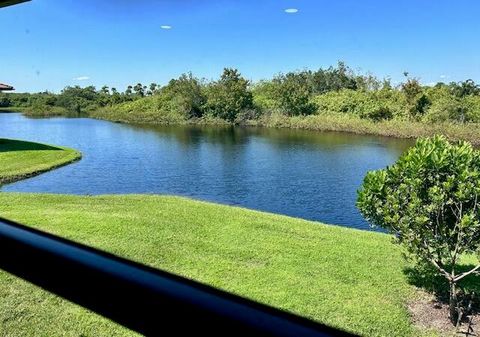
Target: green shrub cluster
335,91
375,105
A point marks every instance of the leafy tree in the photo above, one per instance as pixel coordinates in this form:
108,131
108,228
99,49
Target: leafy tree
465,88
386,84
104,96
292,94
105,90
4,101
333,79
446,106
411,88
430,200
152,88
421,105
128,91
76,99
369,83
417,101
115,98
139,90
264,96
16,99
43,99
188,93
229,96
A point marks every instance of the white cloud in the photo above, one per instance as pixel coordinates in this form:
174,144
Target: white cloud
443,76
82,78
166,27
291,10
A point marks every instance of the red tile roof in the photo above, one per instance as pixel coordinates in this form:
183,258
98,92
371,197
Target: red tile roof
4,87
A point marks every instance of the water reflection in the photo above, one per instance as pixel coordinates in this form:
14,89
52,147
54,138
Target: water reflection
311,175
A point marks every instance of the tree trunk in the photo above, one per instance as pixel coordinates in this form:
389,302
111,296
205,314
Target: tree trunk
453,305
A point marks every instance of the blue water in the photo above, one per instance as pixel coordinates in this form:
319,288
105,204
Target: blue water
311,175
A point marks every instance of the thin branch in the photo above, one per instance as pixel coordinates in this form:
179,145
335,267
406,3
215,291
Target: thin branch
437,264
475,203
459,277
443,271
457,245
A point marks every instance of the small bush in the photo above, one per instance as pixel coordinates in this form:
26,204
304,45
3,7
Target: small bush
429,200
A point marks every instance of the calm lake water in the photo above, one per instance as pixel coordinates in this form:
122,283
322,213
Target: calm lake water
310,175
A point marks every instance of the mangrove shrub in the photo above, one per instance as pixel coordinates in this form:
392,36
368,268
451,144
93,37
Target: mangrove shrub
292,94
430,200
228,96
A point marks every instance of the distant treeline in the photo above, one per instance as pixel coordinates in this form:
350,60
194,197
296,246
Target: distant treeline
232,98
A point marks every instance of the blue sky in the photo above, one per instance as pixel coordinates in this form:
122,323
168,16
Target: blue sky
54,43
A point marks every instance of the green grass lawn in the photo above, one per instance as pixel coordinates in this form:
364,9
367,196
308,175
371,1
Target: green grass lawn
350,279
346,278
21,159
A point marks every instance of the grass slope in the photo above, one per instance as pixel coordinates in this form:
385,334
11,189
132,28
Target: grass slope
22,159
147,110
347,278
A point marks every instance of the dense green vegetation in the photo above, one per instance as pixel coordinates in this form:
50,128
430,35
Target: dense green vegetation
347,278
22,159
305,267
336,93
429,200
311,269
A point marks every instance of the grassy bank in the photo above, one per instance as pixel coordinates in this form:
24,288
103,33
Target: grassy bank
388,128
14,109
347,278
32,111
22,159
46,112
129,114
320,122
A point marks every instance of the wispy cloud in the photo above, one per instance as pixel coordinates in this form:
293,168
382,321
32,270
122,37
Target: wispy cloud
81,78
443,76
291,10
166,27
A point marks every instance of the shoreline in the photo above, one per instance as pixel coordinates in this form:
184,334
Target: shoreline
37,168
402,129
399,129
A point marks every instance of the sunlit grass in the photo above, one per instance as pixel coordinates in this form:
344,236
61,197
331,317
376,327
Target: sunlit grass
21,159
347,278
